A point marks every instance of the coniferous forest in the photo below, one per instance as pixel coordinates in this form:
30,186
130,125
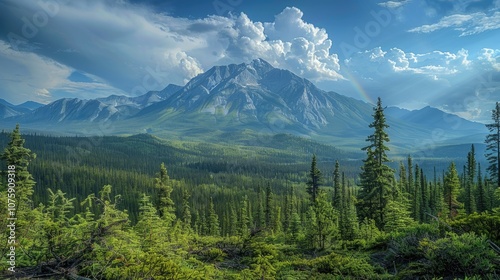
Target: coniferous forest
141,207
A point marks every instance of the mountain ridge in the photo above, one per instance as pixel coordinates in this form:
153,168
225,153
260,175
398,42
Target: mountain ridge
254,97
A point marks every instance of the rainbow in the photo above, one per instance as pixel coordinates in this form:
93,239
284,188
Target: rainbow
359,89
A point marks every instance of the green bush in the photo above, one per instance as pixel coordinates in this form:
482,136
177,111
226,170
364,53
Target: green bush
343,265
460,255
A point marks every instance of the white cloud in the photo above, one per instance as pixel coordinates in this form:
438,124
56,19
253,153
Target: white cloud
27,76
394,4
135,50
456,82
466,24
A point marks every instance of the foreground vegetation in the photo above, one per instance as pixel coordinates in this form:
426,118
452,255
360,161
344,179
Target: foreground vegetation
258,215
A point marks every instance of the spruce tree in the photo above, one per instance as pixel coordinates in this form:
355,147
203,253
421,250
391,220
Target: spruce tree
244,220
481,192
260,217
337,196
417,196
425,197
166,206
451,190
233,219
410,185
469,203
186,210
403,181
213,220
315,179
377,176
268,211
18,158
493,146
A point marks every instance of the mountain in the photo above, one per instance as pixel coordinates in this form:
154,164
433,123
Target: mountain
433,117
66,110
256,96
9,110
30,105
245,103
142,101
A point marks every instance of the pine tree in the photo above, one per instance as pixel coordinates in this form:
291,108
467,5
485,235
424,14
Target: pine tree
18,158
469,203
244,221
417,195
149,224
269,199
166,206
260,217
410,177
398,216
233,218
352,216
367,193
295,227
493,146
481,192
277,224
337,197
425,197
377,176
403,181
213,220
451,190
186,211
315,180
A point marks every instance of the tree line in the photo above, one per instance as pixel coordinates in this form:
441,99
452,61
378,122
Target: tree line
301,230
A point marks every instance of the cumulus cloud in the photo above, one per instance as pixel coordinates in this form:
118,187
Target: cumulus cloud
134,49
455,82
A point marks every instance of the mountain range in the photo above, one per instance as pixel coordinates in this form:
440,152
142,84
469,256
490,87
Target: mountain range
237,101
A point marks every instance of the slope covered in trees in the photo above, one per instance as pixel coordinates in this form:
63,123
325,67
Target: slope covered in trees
141,208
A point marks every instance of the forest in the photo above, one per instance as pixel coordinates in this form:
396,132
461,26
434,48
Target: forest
141,207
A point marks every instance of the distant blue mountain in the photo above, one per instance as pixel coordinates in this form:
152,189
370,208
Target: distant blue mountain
30,105
434,118
9,110
251,98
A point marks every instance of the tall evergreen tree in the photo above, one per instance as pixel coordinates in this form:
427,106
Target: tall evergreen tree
403,181
410,177
321,222
315,179
417,196
18,158
166,206
425,197
375,168
186,211
337,196
451,190
260,217
233,219
481,192
268,211
212,220
244,220
469,203
493,146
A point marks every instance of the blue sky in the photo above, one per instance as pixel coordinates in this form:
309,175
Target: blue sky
411,53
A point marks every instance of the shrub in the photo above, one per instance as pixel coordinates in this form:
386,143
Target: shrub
343,265
460,255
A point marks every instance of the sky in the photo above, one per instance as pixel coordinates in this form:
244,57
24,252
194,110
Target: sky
411,53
